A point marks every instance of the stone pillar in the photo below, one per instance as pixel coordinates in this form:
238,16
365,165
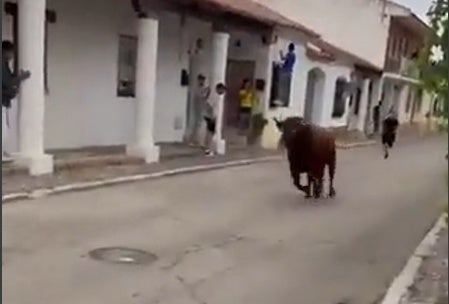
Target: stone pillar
375,98
324,101
144,147
363,108
402,99
220,42
268,54
32,92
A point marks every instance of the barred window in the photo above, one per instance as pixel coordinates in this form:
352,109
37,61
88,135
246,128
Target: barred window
127,60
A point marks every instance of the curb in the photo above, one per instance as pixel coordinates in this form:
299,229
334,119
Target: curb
344,146
399,288
37,193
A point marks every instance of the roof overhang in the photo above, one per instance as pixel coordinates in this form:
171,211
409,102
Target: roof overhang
413,23
316,53
247,9
400,78
346,56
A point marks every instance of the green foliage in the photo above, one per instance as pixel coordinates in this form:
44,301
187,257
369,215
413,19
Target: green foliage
435,74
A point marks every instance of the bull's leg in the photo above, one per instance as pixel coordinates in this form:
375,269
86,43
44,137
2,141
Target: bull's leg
296,177
297,181
318,189
309,186
386,154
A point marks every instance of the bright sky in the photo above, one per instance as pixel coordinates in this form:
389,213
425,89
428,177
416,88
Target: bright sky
420,7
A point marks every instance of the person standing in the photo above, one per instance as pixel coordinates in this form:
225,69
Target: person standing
376,116
247,98
286,70
210,118
10,87
200,97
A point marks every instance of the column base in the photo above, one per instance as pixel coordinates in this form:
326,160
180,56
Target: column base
149,154
37,164
220,146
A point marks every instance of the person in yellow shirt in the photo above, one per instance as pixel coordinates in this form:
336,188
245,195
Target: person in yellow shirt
247,100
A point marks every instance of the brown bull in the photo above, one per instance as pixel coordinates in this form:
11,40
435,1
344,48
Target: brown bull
309,148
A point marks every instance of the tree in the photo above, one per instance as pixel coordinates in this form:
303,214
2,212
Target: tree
435,73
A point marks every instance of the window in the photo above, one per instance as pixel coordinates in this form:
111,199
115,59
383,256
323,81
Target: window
50,17
358,99
127,60
405,48
394,47
408,105
339,100
390,46
418,101
280,87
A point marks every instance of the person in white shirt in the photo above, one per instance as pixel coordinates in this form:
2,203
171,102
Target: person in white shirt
200,96
211,119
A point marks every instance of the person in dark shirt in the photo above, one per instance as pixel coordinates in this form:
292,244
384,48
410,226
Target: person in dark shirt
376,116
389,130
288,60
10,86
286,68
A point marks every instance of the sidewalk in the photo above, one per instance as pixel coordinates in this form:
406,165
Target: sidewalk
23,183
104,166
431,282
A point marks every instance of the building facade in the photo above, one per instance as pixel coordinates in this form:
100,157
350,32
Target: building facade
106,72
116,72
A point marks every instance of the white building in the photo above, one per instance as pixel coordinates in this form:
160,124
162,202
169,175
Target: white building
104,74
357,26
401,90
107,73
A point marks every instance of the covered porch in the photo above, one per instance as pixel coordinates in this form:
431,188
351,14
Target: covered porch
121,77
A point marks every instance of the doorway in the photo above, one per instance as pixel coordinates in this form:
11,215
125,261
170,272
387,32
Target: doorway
314,95
236,72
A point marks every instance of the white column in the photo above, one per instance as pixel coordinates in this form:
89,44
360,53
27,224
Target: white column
363,108
401,104
267,55
324,101
144,146
375,98
220,42
32,94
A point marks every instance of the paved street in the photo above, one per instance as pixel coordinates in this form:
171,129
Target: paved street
236,236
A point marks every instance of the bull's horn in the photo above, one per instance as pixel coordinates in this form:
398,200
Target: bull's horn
278,123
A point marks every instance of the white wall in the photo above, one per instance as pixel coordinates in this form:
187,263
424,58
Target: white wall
299,75
323,112
82,108
345,23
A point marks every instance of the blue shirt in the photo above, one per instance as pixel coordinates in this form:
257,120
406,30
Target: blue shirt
289,62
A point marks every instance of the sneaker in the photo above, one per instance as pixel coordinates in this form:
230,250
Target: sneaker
209,152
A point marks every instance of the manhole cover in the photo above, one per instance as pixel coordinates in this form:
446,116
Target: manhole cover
122,255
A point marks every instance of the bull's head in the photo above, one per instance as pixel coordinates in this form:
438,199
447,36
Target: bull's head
288,128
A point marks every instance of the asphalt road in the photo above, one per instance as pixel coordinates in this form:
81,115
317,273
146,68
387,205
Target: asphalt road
236,236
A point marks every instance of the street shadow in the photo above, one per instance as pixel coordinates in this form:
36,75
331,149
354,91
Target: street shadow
293,200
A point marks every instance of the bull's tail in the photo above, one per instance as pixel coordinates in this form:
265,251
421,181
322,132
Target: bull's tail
332,163
332,167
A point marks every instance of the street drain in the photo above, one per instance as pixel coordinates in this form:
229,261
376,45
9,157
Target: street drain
122,255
